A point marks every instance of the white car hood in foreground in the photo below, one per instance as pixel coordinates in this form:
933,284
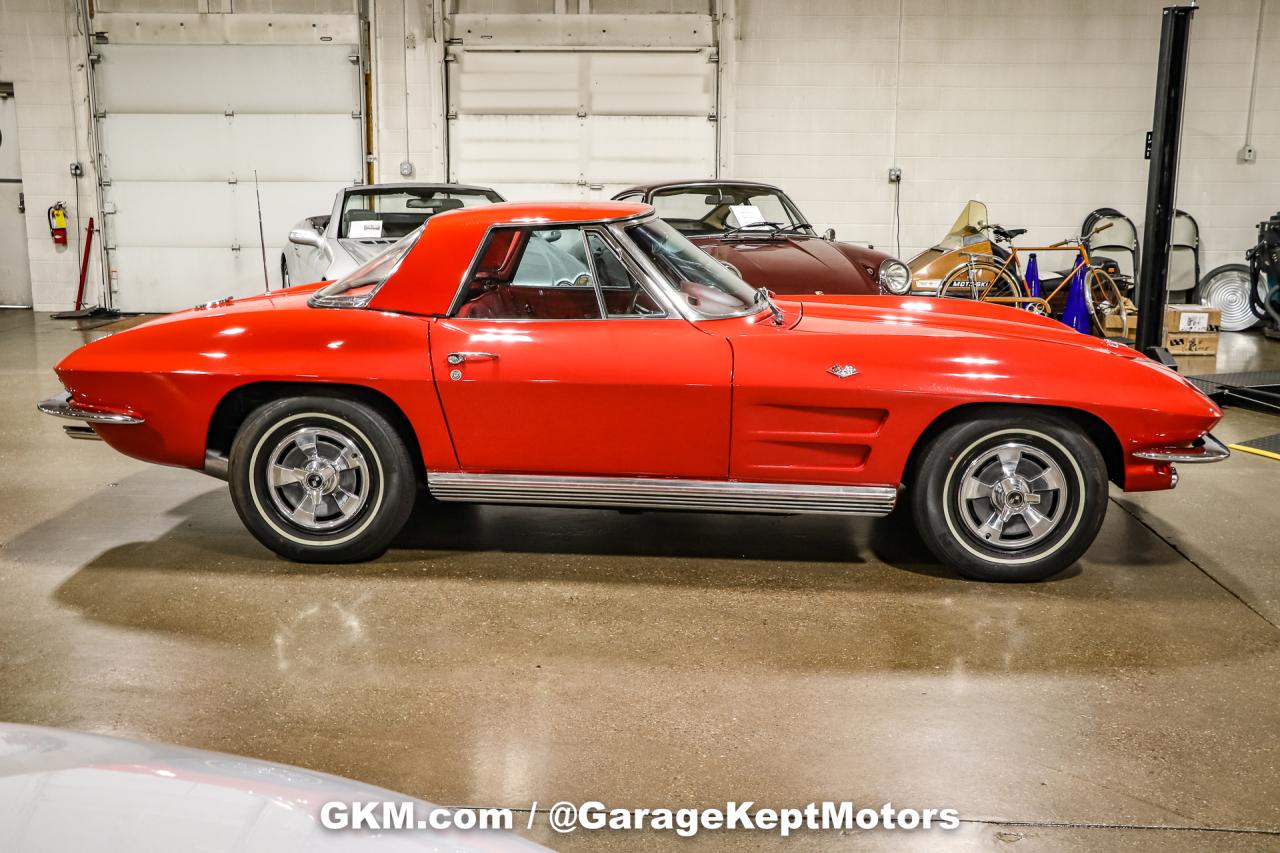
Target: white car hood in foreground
66,791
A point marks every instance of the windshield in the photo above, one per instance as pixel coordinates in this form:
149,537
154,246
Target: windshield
357,288
389,215
969,225
726,208
699,279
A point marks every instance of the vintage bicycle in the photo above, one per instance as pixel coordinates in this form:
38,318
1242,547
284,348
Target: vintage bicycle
992,271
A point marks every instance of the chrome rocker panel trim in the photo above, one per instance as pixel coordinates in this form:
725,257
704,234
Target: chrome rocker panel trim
654,493
62,407
1204,449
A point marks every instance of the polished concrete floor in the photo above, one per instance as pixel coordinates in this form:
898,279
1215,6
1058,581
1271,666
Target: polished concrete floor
501,656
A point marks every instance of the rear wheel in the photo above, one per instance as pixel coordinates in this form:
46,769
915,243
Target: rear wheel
1107,305
1010,496
321,479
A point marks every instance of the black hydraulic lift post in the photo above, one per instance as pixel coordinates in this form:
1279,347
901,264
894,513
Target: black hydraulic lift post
1162,180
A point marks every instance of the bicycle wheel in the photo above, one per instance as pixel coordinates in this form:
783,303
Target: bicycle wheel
982,281
1107,305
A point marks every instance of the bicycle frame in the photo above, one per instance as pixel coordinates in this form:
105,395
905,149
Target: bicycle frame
1012,266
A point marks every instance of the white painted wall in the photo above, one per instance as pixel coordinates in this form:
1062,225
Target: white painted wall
41,53
1038,107
408,90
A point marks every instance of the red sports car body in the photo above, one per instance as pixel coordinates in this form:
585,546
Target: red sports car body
586,354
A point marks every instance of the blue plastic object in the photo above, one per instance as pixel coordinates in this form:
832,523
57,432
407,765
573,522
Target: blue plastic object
1033,278
1076,314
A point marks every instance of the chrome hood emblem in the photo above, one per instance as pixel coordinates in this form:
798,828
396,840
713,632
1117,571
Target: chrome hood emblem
842,370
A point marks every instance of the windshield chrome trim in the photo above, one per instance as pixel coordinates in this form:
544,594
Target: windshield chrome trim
681,306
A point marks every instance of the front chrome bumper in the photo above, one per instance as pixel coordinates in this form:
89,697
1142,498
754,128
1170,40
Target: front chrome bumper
1204,449
62,407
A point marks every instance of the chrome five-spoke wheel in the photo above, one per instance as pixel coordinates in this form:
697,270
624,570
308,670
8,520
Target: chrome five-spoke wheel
1011,496
322,478
318,478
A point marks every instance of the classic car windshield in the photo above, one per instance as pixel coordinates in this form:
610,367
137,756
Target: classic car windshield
383,215
357,288
723,208
702,281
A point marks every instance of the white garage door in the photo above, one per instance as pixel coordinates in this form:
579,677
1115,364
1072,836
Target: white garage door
184,129
569,124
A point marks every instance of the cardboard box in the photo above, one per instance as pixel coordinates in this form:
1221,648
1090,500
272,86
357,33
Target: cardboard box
1111,323
1191,329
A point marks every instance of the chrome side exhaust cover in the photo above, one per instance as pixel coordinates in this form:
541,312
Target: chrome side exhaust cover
653,493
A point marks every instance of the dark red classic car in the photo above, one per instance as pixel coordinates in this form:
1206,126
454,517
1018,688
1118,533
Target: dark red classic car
590,355
761,234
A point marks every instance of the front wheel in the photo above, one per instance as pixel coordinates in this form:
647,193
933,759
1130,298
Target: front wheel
321,479
284,271
1010,496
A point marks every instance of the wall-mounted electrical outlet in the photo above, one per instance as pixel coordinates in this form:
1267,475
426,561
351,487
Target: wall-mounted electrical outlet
1247,154
77,170
895,174
406,169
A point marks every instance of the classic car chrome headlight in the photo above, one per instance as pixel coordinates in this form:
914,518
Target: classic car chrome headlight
894,276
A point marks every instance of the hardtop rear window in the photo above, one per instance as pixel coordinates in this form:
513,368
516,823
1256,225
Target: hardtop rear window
356,289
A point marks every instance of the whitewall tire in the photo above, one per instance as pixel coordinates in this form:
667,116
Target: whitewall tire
321,479
1010,496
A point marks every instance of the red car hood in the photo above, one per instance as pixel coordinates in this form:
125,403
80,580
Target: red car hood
934,316
793,265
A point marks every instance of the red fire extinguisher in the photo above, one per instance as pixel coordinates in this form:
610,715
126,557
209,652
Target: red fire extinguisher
58,224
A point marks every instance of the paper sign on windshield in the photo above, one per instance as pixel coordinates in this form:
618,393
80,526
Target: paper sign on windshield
365,228
746,214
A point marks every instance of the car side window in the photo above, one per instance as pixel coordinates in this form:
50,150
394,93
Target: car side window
620,290
532,274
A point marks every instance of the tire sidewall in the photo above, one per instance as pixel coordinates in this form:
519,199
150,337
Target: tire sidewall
391,481
937,510
1074,499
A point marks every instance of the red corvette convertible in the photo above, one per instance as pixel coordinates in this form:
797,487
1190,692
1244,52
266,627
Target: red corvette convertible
589,355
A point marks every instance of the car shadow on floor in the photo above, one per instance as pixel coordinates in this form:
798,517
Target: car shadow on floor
618,578
443,540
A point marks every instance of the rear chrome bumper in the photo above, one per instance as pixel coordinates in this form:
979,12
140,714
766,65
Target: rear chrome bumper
62,407
1204,449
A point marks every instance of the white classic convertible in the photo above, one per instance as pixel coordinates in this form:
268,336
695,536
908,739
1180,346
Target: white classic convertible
365,220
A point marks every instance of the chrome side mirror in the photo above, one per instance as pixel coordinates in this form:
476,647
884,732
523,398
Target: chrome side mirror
829,235
305,237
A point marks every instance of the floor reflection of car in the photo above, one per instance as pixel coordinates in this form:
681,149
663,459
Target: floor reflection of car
65,791
763,236
365,220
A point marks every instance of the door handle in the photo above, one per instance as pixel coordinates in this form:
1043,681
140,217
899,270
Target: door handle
460,357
